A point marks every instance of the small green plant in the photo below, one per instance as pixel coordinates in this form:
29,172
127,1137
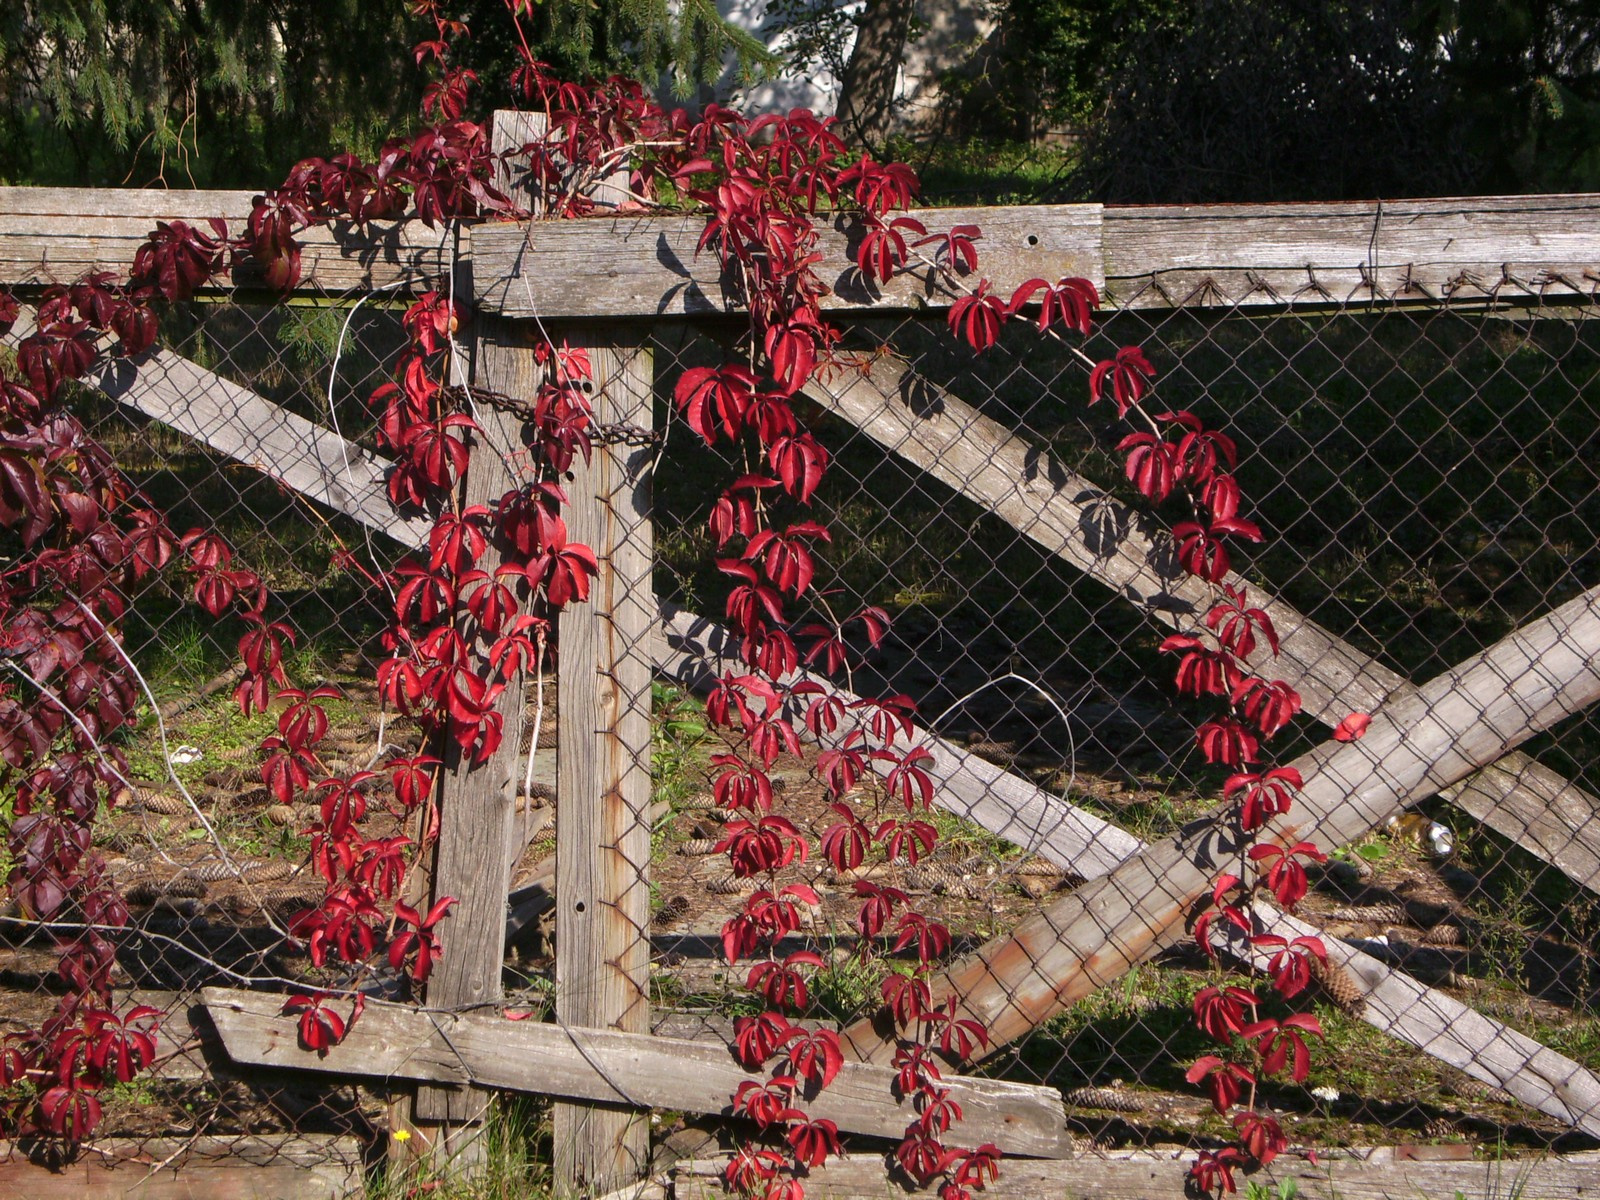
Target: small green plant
311,333
1372,849
678,737
1284,1190
514,1167
183,657
845,987
963,837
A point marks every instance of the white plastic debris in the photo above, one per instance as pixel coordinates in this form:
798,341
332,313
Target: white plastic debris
182,756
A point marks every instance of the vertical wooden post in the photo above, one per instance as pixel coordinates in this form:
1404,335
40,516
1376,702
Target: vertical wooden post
603,767
477,803
603,757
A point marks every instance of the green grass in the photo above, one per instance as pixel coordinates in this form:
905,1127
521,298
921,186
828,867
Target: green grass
515,1163
678,740
846,985
986,171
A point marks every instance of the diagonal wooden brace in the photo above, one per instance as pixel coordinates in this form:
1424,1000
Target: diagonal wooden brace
1011,807
1419,743
1074,519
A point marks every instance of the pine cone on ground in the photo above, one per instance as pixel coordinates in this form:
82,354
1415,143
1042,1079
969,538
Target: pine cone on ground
1339,985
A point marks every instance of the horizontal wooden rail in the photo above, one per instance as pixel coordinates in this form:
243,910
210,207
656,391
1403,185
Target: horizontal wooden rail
603,267
648,265
1354,251
54,235
311,1166
1420,1171
399,1042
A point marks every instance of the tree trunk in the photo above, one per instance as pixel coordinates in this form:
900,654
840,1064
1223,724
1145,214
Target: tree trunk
866,96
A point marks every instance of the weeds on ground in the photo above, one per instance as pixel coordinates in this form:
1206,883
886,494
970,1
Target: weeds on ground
678,736
515,1165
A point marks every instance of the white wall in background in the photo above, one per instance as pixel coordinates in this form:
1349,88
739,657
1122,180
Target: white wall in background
945,35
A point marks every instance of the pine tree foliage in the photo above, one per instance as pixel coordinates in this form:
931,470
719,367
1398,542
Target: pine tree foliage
195,92
676,43
228,93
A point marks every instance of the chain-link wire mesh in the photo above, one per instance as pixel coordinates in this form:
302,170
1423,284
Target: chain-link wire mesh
1424,476
212,866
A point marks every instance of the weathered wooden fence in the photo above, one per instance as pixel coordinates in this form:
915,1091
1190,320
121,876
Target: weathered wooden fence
1274,308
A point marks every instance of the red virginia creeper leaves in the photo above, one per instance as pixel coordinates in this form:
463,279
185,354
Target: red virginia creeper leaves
1129,373
1069,301
1353,728
1225,1081
976,317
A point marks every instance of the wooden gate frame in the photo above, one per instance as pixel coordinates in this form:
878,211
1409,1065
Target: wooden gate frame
645,268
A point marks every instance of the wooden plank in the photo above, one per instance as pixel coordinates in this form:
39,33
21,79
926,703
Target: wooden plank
1019,811
1390,250
54,235
1383,1174
249,429
1046,501
513,130
535,896
603,765
1427,740
478,800
1151,257
399,1042
249,1167
609,267
698,651
1451,1031
1543,812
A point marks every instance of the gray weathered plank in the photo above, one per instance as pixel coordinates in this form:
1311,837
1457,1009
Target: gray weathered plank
698,650
1426,740
603,765
1046,501
535,895
307,1166
1147,256
250,429
398,1042
53,235
610,267
1399,250
1543,812
477,800
1383,1174
1017,810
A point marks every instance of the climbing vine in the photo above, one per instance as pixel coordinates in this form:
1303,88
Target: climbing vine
84,542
